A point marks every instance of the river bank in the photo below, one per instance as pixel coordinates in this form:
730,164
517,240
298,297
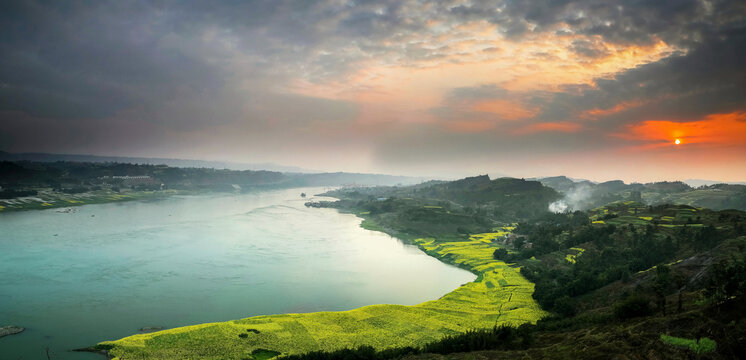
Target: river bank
499,295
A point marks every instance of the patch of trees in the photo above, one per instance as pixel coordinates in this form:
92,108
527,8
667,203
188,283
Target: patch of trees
614,253
727,279
374,206
633,306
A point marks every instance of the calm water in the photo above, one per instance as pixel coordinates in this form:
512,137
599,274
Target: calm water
103,272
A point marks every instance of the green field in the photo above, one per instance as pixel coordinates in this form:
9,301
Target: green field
499,295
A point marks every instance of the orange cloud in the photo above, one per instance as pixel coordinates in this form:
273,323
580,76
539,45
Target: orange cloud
395,87
564,127
715,129
540,61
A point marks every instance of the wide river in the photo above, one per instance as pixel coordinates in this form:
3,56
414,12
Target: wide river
105,271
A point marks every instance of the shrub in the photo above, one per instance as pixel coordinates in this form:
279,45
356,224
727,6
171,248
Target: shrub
564,306
500,254
703,345
634,306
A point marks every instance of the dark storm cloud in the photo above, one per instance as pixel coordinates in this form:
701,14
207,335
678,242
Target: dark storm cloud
72,59
708,79
681,22
64,61
182,66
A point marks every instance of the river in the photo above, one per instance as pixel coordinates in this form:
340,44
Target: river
104,271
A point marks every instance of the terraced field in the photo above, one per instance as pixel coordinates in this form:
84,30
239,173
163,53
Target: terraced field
638,214
499,295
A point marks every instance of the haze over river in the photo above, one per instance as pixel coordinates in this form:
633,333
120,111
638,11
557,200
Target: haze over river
105,271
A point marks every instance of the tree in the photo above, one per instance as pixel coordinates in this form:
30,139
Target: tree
500,254
662,285
727,279
564,306
634,306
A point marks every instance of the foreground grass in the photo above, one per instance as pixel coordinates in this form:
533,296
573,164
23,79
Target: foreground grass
499,296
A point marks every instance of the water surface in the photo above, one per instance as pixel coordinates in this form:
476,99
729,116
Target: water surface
105,271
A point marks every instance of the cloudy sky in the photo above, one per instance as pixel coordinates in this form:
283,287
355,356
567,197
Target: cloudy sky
592,89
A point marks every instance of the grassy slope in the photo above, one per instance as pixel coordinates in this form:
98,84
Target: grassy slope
500,295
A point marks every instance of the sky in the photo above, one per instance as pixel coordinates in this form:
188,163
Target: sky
589,89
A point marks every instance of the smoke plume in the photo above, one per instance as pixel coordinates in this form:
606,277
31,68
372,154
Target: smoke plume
575,199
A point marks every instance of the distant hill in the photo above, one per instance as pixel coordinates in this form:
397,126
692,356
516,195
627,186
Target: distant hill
184,163
583,194
24,175
562,183
701,182
353,179
506,197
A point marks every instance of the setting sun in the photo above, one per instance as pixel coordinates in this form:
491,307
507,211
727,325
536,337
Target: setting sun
677,142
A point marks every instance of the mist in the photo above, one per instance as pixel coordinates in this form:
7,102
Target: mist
575,199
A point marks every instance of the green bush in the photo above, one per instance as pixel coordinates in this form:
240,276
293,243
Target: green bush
634,306
703,345
500,254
